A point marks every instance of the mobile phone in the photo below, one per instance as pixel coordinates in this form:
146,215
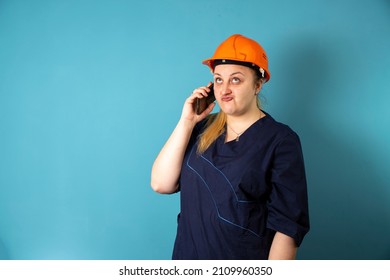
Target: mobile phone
201,104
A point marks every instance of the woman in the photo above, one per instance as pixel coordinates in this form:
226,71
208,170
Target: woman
240,173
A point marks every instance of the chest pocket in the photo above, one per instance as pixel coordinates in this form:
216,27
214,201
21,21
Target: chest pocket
232,206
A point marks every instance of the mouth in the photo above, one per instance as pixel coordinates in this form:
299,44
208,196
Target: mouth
226,98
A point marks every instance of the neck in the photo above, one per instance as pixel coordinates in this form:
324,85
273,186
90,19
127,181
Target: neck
239,123
236,125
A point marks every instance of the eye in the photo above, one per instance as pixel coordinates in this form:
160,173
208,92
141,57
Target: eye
235,80
218,80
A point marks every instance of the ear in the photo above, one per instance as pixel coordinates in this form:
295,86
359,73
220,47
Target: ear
258,85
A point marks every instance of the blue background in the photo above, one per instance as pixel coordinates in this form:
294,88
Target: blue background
90,91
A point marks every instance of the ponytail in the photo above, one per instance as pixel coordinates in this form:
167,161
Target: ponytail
215,126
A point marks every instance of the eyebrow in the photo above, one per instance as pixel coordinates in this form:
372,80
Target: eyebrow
234,73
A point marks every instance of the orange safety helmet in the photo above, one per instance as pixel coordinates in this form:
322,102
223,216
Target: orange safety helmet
239,48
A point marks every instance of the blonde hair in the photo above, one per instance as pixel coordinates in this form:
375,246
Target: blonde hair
215,126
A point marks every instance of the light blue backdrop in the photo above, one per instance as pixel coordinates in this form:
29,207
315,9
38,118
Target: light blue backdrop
90,91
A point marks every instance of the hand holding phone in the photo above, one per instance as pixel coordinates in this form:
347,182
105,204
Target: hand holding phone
201,104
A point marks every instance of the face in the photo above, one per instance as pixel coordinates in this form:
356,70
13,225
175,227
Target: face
236,89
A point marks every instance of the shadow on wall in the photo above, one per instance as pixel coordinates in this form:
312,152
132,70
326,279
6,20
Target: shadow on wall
3,251
348,208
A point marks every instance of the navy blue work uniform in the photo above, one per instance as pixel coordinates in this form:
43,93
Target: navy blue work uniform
236,195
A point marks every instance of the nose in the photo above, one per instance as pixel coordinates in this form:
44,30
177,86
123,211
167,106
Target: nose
225,88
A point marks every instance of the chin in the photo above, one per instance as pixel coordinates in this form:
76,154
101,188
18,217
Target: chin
232,112
229,110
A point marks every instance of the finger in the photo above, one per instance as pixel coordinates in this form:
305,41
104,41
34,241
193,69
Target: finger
193,96
202,90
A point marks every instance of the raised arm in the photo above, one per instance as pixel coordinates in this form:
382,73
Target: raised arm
167,166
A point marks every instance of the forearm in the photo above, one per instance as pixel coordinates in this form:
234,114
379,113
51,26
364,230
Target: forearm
283,247
167,166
